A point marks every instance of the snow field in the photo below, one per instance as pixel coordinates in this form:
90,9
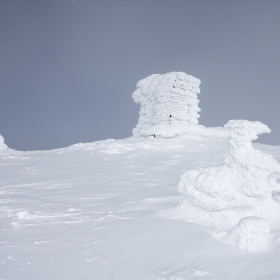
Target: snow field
91,211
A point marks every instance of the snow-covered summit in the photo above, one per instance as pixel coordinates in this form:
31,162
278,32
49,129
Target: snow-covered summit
110,199
169,104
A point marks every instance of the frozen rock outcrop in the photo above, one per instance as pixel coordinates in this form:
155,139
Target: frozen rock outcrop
169,107
242,187
3,146
169,104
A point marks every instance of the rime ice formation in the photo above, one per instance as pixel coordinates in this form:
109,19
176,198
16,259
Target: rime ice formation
242,187
168,103
169,107
2,144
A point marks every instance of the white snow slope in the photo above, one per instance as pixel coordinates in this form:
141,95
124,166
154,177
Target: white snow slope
91,211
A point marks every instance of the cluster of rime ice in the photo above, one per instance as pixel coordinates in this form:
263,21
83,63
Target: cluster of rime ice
2,144
169,104
242,187
258,169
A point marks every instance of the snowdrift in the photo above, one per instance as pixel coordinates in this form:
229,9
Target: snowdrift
251,234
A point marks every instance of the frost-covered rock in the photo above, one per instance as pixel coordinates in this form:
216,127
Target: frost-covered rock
243,186
251,234
259,169
169,107
169,104
2,144
241,154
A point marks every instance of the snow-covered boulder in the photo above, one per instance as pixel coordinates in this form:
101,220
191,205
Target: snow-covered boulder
3,146
242,187
169,104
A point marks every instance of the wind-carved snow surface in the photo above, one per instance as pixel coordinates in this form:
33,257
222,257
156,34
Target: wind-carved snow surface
242,187
3,146
169,107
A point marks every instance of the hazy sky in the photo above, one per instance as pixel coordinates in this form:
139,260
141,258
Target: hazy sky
68,68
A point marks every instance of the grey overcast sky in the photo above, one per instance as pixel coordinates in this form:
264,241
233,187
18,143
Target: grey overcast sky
68,68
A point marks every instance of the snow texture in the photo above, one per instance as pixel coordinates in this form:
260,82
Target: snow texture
89,211
243,186
252,234
3,146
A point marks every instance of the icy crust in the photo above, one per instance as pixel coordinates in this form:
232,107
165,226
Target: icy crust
169,104
242,187
3,146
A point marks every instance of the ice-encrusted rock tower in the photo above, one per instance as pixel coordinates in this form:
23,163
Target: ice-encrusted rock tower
169,104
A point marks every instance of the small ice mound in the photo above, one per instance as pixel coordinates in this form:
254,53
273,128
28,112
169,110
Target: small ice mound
3,146
251,234
24,215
